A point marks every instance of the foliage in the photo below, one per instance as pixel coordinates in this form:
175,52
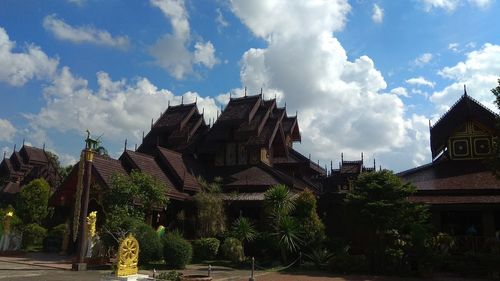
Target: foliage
320,257
170,276
63,171
206,248
150,246
177,251
348,263
495,161
211,214
139,187
232,250
33,235
15,222
118,224
243,229
288,234
390,224
312,227
32,203
278,201
58,231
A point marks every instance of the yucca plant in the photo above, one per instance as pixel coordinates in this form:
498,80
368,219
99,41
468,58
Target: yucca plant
243,229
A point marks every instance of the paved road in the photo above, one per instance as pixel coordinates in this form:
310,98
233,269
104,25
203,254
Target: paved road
22,272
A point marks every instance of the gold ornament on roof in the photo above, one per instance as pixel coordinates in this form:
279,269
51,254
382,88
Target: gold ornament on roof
128,256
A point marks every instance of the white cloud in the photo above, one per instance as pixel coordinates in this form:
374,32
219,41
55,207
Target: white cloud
400,91
420,81
377,14
341,104
16,69
77,2
423,59
205,54
7,130
117,109
220,20
451,5
172,51
479,71
453,47
83,34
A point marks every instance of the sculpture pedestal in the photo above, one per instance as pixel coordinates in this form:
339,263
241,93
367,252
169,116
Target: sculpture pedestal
135,277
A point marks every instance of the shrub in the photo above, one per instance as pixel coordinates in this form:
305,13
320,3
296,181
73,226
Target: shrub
33,235
349,263
170,276
232,249
206,248
53,241
33,201
177,251
150,247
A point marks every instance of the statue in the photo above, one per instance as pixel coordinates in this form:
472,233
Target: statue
128,256
91,233
10,241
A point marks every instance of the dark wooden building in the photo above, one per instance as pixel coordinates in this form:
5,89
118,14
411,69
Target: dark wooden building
249,147
23,166
462,191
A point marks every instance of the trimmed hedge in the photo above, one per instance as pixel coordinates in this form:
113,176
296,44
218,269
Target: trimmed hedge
177,251
206,248
233,250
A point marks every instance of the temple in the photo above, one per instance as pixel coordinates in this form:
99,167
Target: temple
23,166
458,184
249,147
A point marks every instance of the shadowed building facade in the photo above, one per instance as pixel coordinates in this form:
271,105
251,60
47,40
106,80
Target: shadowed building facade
458,184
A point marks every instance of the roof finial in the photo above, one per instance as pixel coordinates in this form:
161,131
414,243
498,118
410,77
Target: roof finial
245,91
23,141
151,123
342,156
296,113
182,99
285,104
43,148
125,147
331,164
361,156
465,90
14,147
4,153
261,91
196,99
143,135
135,147
203,111
168,104
230,95
309,156
430,124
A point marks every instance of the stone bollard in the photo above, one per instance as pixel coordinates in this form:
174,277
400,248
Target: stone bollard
209,270
253,269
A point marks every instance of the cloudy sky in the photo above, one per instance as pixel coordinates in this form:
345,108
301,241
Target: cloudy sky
364,76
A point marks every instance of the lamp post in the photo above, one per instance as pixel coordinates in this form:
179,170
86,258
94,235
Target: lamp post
80,264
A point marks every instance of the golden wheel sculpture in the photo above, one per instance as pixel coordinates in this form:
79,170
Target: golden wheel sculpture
128,256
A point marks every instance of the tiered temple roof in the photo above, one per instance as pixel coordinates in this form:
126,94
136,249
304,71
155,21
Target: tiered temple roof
250,146
25,165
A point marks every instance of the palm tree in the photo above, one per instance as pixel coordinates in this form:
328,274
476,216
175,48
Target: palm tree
243,229
279,201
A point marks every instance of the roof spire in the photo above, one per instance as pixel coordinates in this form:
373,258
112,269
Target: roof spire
182,99
151,123
261,91
168,104
23,141
4,152
203,111
362,157
125,147
430,124
143,135
43,147
230,95
374,164
342,157
309,156
135,147
465,90
285,104
196,99
331,164
245,91
14,147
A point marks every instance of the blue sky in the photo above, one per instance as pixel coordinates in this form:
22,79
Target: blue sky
364,76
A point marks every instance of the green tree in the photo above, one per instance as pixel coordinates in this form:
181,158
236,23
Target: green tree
211,213
385,218
63,171
307,217
243,229
134,195
32,203
495,161
278,201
